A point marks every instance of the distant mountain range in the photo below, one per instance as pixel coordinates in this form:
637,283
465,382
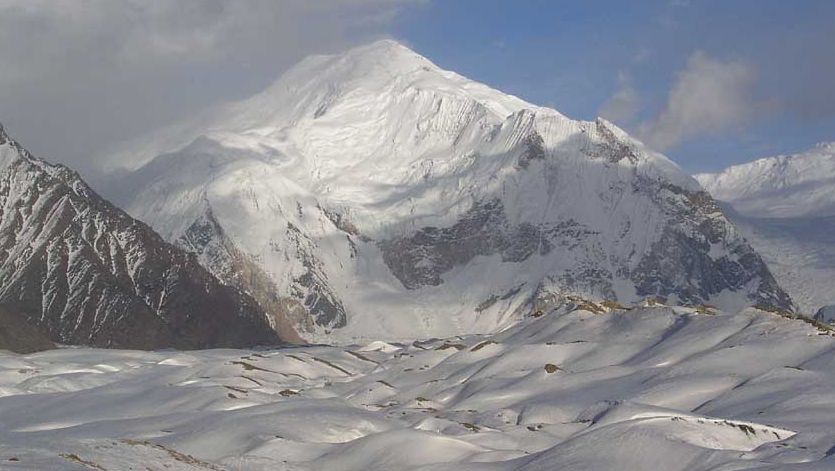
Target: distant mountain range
785,206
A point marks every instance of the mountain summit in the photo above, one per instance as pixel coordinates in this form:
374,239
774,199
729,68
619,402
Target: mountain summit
374,194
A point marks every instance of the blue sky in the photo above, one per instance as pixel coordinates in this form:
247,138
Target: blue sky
710,83
575,55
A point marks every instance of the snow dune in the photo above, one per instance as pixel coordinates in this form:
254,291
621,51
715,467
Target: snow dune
646,388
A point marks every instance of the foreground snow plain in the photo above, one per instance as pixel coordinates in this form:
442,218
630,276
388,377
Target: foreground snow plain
649,388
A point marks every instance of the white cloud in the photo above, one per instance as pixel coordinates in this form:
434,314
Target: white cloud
623,106
164,30
128,66
709,96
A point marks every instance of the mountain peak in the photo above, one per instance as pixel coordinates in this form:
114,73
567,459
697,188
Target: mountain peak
148,294
388,53
383,81
375,63
385,48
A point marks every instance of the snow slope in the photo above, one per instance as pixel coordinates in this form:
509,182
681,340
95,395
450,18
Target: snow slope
373,194
577,388
785,206
785,186
76,269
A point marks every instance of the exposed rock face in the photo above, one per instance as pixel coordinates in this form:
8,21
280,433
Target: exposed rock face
18,335
83,272
312,287
216,252
421,259
825,314
681,263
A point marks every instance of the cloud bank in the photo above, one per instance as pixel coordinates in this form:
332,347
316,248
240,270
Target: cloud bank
79,75
707,97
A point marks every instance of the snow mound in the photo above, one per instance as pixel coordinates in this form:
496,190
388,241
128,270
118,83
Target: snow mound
678,389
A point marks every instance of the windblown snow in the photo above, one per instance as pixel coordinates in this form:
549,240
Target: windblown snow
583,387
374,195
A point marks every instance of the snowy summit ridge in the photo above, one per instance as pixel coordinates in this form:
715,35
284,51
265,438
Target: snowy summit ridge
793,185
376,194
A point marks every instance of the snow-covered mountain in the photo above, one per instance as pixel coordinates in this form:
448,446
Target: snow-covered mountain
78,270
785,186
785,206
376,194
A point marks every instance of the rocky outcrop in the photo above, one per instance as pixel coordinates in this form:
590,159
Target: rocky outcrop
825,314
312,287
215,251
698,255
683,264
82,271
18,335
421,259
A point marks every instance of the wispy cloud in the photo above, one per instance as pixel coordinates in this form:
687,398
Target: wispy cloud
708,96
128,66
624,105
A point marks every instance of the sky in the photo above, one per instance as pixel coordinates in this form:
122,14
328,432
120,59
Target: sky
709,83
